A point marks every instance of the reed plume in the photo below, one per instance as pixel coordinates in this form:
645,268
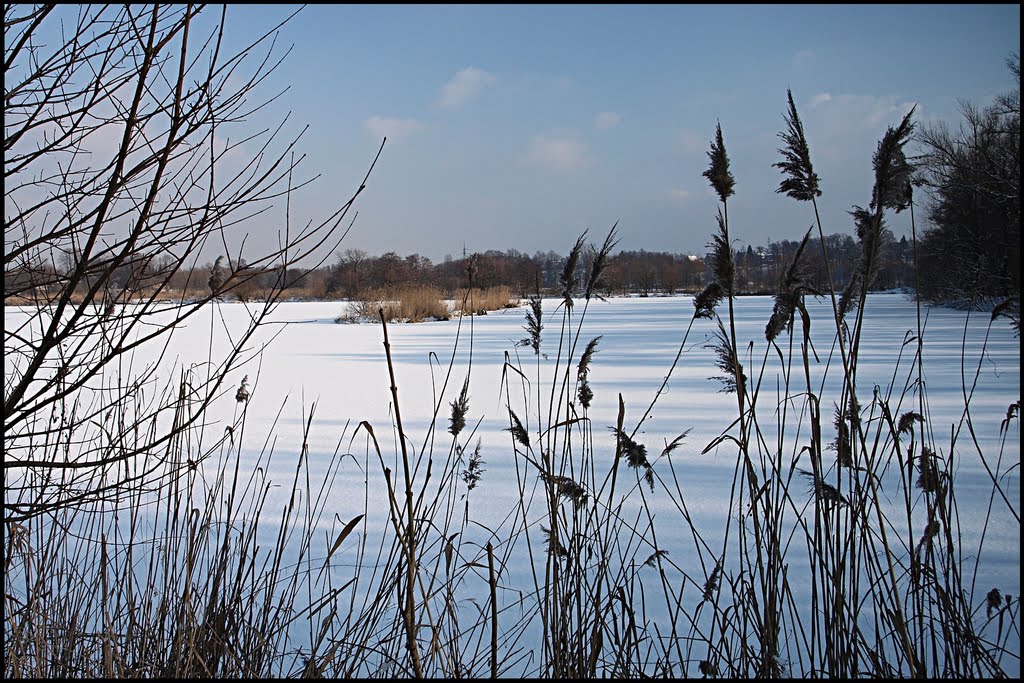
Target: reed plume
601,262
568,278
567,488
790,297
825,492
584,392
216,280
930,530
727,362
517,429
474,469
654,557
635,454
928,471
893,172
723,273
801,182
1009,308
554,546
718,173
533,324
892,190
907,420
993,601
848,300
711,585
675,443
460,407
242,395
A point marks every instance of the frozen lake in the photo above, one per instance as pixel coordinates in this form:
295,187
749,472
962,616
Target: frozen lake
337,374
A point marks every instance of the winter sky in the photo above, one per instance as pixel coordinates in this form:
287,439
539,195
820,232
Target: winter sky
517,127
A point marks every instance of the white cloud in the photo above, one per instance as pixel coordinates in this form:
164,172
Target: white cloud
862,109
679,194
392,127
690,143
466,84
821,98
843,129
803,58
559,152
607,120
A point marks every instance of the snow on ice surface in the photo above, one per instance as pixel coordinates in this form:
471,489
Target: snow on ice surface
338,373
341,369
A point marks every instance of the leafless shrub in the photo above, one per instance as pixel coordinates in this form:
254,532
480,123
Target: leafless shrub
118,176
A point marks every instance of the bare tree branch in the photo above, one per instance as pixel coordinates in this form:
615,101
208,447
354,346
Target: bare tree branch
130,156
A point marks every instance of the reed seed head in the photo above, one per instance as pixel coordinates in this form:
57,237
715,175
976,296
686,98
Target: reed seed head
554,546
893,172
790,298
568,278
723,273
928,478
635,454
711,585
655,556
533,324
566,488
519,432
842,444
827,494
705,302
801,182
474,469
584,392
601,261
718,173
242,394
460,407
727,361
216,280
993,601
907,420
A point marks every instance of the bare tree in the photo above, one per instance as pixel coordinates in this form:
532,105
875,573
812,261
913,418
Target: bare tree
126,138
971,250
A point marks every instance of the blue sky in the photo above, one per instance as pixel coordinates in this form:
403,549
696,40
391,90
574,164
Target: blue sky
519,126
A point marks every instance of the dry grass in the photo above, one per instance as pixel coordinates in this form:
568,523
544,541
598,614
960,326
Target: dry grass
406,304
480,301
174,580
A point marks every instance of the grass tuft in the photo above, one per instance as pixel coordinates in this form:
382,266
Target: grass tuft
479,301
406,304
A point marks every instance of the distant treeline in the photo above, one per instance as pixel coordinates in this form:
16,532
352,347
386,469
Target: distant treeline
759,270
355,272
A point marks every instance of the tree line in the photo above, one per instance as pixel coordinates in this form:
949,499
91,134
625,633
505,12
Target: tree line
354,272
642,272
